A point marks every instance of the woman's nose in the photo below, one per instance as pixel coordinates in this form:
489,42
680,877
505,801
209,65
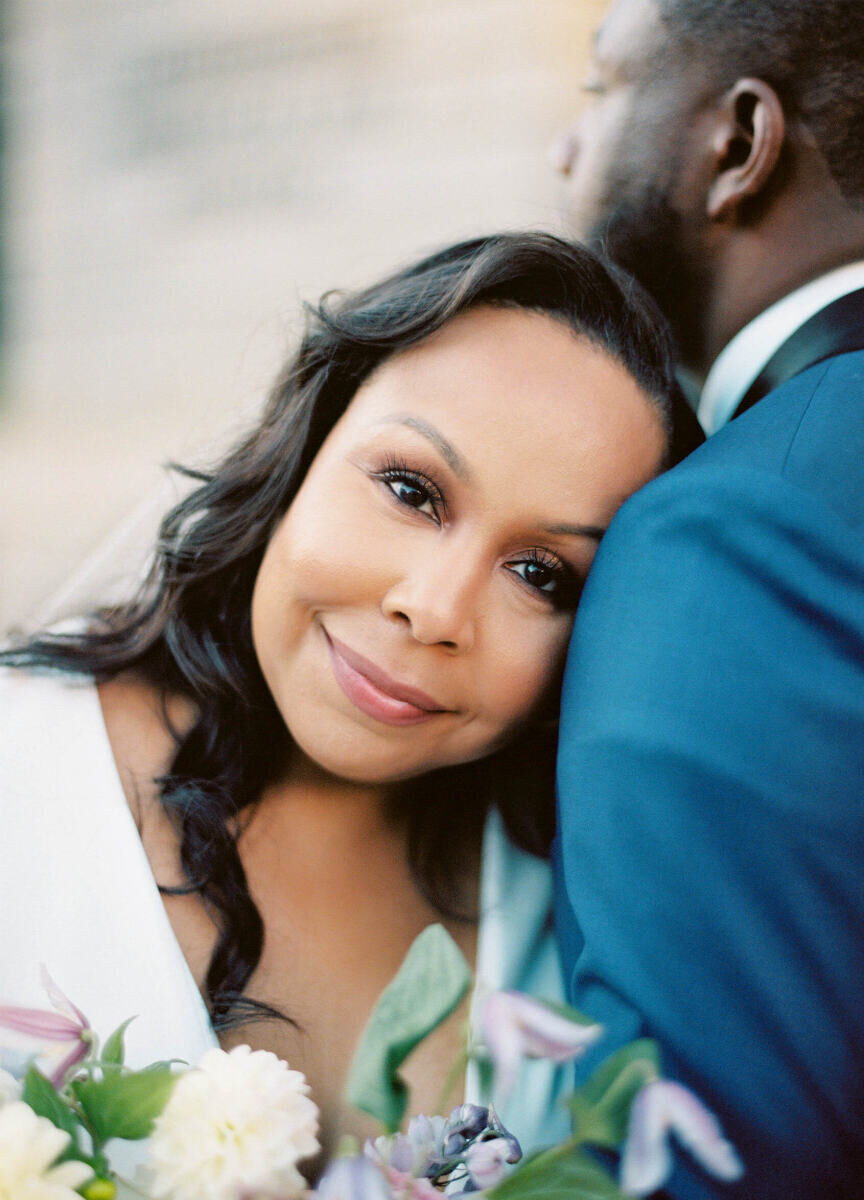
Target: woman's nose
438,599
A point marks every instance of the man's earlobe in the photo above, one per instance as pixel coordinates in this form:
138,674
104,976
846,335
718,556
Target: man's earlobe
749,136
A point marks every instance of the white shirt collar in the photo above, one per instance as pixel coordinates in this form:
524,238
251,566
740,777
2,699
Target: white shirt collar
740,362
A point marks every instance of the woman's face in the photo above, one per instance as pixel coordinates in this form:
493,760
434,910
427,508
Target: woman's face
414,604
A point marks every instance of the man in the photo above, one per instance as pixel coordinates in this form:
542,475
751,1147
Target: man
711,846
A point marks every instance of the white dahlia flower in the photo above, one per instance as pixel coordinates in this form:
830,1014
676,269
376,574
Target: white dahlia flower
28,1147
234,1128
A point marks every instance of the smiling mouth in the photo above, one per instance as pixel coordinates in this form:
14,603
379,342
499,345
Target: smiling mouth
374,692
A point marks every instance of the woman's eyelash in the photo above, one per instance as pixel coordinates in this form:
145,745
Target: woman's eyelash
553,579
412,488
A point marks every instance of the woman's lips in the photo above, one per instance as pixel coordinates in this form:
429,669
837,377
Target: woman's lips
374,692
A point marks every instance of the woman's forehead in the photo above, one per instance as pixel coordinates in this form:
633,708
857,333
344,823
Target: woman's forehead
507,395
499,372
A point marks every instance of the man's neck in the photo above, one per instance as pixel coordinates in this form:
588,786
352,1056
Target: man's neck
745,356
760,282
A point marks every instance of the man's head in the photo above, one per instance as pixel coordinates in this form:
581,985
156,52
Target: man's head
723,159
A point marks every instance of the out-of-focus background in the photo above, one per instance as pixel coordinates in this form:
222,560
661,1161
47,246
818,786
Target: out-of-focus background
176,176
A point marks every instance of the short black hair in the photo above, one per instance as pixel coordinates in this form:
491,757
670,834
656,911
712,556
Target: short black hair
810,51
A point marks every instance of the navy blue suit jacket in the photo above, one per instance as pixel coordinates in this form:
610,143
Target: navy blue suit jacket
710,854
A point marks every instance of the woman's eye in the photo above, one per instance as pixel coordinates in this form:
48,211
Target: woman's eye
554,580
409,493
415,492
537,574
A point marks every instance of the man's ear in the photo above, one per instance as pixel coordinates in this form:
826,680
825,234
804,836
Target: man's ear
748,138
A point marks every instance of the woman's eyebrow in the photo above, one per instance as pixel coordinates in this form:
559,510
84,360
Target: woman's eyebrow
595,532
447,451
458,466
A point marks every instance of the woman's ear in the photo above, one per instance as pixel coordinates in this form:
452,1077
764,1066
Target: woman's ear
750,132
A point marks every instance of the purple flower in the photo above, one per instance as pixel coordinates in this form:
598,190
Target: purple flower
66,1031
416,1152
354,1178
660,1109
487,1160
463,1125
497,1130
517,1026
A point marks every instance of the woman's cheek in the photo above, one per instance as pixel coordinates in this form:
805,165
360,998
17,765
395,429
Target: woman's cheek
331,553
529,663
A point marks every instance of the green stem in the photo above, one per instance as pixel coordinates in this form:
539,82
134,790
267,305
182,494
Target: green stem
639,1069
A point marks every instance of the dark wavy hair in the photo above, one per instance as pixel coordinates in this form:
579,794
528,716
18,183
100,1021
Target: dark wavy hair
188,631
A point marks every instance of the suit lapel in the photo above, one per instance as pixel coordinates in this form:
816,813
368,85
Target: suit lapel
836,329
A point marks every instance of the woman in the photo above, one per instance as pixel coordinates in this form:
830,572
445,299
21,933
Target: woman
345,658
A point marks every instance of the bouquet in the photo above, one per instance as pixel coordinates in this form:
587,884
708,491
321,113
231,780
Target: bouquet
236,1126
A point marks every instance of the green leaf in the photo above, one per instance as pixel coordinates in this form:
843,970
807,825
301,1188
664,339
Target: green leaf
45,1101
427,988
561,1173
643,1050
124,1105
113,1052
601,1106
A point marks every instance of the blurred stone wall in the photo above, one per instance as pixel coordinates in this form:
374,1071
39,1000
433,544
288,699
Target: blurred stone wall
180,174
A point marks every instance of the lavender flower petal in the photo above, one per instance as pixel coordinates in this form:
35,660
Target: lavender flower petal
70,1060
499,1130
67,1025
36,1022
487,1161
426,1135
354,1178
59,1000
699,1131
463,1124
516,1026
417,1152
646,1162
663,1107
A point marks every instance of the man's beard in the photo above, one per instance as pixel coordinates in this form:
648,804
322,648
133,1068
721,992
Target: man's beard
643,234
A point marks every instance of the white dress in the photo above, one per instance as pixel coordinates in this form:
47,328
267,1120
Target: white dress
77,894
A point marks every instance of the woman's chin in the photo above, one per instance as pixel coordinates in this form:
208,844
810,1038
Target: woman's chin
369,774
370,760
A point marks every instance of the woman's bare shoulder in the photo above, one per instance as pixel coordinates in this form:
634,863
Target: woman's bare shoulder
142,725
